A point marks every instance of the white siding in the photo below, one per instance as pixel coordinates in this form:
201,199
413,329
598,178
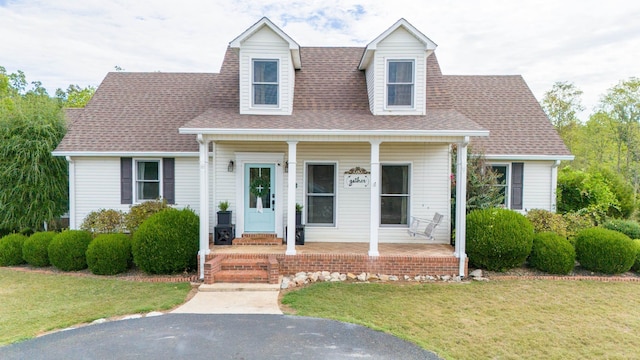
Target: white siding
266,44
537,185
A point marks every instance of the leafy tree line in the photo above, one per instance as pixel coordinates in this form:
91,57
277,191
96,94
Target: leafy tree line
604,178
33,183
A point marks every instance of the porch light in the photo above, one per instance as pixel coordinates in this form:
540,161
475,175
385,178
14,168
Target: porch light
230,166
286,166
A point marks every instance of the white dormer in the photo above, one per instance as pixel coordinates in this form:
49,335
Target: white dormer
268,60
396,72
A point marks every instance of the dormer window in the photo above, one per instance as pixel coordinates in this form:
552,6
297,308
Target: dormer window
265,83
400,83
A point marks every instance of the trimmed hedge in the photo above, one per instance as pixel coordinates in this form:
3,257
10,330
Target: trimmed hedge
35,249
67,250
606,251
636,264
167,242
498,239
109,254
552,253
627,227
11,249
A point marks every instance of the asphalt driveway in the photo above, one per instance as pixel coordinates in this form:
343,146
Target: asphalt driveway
195,336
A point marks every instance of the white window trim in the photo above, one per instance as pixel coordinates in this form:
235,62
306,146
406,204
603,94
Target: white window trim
136,199
507,191
335,193
409,194
386,85
251,84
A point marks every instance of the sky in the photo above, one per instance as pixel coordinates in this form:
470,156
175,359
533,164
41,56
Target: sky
592,44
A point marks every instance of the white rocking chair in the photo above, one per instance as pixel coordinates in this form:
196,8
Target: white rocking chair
424,227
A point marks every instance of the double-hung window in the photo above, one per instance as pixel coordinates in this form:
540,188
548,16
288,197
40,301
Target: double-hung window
502,178
321,194
394,195
400,83
265,82
147,180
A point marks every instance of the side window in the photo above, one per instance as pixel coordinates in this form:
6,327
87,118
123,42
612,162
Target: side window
321,194
265,83
400,83
394,195
502,172
147,180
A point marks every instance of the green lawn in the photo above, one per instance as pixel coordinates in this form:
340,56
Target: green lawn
34,303
520,319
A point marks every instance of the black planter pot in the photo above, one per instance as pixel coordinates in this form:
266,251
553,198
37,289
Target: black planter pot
298,218
224,217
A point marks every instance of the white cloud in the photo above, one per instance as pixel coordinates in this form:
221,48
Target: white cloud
591,43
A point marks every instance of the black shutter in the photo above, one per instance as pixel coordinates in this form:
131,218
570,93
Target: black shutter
517,172
126,181
168,180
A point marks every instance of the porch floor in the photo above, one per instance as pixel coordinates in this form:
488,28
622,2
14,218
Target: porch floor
385,249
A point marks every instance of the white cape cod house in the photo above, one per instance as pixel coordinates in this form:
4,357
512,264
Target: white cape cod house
360,137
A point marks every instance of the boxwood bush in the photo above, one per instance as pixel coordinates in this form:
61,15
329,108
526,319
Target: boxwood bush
35,249
167,242
109,254
552,253
627,227
636,264
11,249
498,239
606,251
67,250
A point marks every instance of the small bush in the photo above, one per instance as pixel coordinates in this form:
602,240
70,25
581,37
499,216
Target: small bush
167,242
35,248
552,253
544,220
67,250
109,254
498,239
627,227
606,251
11,250
141,212
104,221
575,223
636,264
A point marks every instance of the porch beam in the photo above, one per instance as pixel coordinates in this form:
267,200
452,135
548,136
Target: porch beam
203,145
291,199
374,221
461,204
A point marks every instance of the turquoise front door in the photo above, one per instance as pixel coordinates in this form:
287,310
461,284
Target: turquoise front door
259,198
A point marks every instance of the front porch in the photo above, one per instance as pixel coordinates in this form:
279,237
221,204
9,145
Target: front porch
265,263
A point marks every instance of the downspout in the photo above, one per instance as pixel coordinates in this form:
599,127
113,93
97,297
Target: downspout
204,202
554,185
72,193
461,205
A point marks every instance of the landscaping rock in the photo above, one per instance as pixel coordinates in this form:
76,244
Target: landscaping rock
477,273
362,277
351,276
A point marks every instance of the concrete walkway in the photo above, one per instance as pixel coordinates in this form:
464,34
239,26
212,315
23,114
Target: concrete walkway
229,298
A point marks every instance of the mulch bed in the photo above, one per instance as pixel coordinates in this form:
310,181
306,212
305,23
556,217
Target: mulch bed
133,274
578,273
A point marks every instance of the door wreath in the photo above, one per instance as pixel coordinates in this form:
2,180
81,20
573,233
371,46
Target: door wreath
259,187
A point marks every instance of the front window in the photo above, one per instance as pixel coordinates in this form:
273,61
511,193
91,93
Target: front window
265,82
321,194
147,180
394,195
400,83
501,172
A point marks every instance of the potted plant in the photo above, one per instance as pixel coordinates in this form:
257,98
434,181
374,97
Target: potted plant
298,214
224,215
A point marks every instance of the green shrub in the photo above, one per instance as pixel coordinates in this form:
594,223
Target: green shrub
552,253
104,221
575,223
544,220
636,264
109,254
606,251
141,212
167,242
67,250
35,248
627,227
498,239
11,249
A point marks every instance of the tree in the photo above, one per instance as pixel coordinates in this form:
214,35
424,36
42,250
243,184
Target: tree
562,104
75,96
33,183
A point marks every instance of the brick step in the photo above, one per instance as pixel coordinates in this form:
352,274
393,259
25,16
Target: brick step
250,240
244,264
241,276
258,235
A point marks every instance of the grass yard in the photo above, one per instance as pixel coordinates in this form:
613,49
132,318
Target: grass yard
35,303
520,319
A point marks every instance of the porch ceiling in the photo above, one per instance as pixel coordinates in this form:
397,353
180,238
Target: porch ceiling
426,250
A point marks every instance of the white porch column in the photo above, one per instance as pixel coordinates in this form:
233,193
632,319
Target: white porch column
291,199
374,222
461,204
72,193
204,201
